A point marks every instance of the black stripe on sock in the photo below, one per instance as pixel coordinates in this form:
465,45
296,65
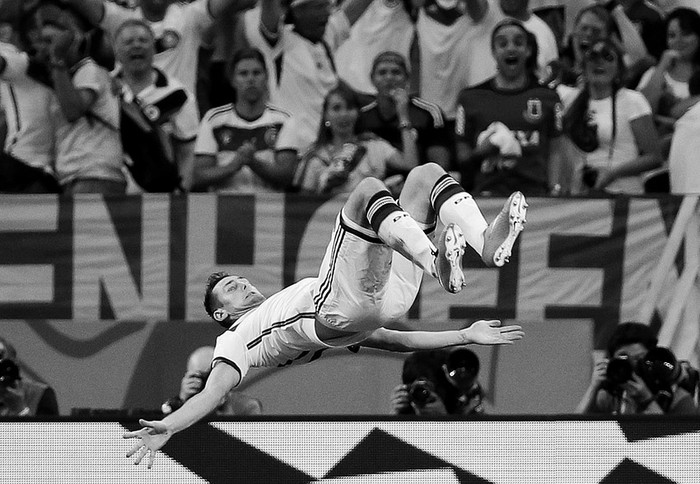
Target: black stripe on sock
444,188
379,207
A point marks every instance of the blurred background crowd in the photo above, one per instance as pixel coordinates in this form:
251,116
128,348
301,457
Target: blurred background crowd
547,97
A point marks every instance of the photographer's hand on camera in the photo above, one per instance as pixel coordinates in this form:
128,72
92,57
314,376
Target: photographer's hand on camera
191,384
12,400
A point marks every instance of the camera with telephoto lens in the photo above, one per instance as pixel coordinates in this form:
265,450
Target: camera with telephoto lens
660,370
9,373
420,391
620,370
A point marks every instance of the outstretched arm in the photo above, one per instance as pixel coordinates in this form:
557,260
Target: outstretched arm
481,332
154,434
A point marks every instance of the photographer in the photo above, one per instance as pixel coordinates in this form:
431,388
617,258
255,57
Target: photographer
439,382
21,396
198,368
638,377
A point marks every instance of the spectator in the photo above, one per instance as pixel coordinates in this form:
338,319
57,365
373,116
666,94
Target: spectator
299,56
649,20
547,46
178,27
28,156
20,395
88,144
174,108
394,114
594,23
666,84
342,156
610,126
447,28
198,369
685,145
235,144
553,12
439,382
506,125
385,26
626,382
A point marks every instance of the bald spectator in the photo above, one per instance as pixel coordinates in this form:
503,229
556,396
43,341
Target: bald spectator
198,369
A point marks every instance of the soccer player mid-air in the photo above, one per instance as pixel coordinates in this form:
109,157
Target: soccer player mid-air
369,278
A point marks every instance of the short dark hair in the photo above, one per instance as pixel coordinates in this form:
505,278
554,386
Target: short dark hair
631,333
213,279
244,54
389,56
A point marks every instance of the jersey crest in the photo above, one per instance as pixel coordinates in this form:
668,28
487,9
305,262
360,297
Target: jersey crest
533,110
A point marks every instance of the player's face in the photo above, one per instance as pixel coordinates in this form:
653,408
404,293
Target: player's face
311,18
135,47
388,76
601,64
249,80
511,51
342,118
686,43
237,294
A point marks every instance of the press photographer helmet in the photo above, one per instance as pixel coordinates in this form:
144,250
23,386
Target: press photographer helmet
9,373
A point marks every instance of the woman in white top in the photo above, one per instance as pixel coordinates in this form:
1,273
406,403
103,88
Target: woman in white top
610,127
666,84
341,156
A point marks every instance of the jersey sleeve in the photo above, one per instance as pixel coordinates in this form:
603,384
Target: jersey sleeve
639,106
206,143
464,127
16,63
198,15
186,121
337,30
230,349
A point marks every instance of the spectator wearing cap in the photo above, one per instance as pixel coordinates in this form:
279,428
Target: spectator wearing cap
173,106
396,114
299,56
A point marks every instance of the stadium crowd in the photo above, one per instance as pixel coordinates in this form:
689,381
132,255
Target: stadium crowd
546,97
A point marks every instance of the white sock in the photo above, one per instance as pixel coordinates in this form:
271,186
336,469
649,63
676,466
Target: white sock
461,209
403,234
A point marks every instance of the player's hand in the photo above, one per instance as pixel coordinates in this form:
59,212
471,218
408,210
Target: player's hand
490,332
152,437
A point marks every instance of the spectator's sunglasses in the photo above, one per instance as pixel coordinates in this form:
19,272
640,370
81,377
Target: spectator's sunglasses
601,52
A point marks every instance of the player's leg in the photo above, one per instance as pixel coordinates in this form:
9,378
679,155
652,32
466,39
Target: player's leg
429,190
372,206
